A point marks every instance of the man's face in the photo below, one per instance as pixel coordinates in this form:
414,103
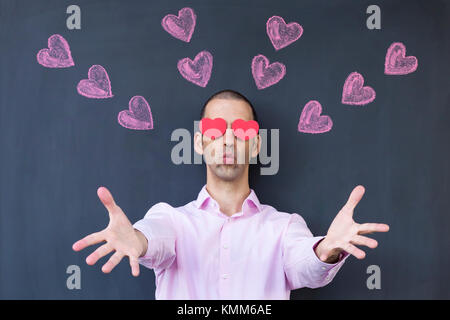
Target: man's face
227,156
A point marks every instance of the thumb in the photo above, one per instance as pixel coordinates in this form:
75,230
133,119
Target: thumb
354,198
107,199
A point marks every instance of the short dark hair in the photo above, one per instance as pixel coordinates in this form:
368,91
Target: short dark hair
230,95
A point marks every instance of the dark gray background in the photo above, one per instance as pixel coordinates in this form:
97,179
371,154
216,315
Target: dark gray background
58,147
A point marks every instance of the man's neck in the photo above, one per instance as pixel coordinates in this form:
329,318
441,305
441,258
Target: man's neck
230,195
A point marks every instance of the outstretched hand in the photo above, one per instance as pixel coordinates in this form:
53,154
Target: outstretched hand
120,237
344,233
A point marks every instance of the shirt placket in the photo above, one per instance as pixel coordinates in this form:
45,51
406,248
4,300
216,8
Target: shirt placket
225,262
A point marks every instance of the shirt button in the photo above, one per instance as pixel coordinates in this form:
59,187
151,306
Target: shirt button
225,276
323,268
225,246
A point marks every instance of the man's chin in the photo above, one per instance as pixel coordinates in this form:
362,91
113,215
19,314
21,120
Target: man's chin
227,172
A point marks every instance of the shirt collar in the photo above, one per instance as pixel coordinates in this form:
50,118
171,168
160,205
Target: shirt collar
204,197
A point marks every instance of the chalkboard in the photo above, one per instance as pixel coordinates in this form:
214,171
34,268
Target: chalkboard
58,146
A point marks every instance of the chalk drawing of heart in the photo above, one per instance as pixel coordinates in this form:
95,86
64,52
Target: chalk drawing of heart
266,74
396,63
281,34
138,116
197,71
97,85
57,55
181,26
354,93
311,121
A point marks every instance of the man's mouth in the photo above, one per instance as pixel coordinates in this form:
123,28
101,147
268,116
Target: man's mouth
228,158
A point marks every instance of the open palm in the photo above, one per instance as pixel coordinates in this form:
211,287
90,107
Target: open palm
344,233
120,237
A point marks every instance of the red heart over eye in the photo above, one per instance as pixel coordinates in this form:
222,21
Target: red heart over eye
245,130
213,128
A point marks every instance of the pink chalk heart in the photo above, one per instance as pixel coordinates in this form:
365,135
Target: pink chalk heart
97,85
281,34
311,121
354,93
57,55
197,71
396,63
266,74
181,26
139,115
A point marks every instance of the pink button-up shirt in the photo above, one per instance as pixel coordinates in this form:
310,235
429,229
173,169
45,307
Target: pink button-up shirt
198,252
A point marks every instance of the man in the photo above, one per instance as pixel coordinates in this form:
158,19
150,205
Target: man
226,244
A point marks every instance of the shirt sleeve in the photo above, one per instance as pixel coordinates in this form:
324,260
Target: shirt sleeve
301,265
159,229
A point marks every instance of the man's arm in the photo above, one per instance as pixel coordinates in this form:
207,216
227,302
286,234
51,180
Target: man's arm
314,261
301,264
157,231
143,240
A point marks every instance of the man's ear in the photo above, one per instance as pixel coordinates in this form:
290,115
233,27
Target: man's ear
256,146
198,143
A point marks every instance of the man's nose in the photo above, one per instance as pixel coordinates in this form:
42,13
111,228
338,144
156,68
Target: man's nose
229,137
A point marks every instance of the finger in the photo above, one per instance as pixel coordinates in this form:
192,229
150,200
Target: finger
99,253
358,253
364,241
107,199
372,227
134,263
354,198
112,262
89,240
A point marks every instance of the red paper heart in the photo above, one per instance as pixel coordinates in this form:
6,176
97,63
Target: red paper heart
245,130
213,128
